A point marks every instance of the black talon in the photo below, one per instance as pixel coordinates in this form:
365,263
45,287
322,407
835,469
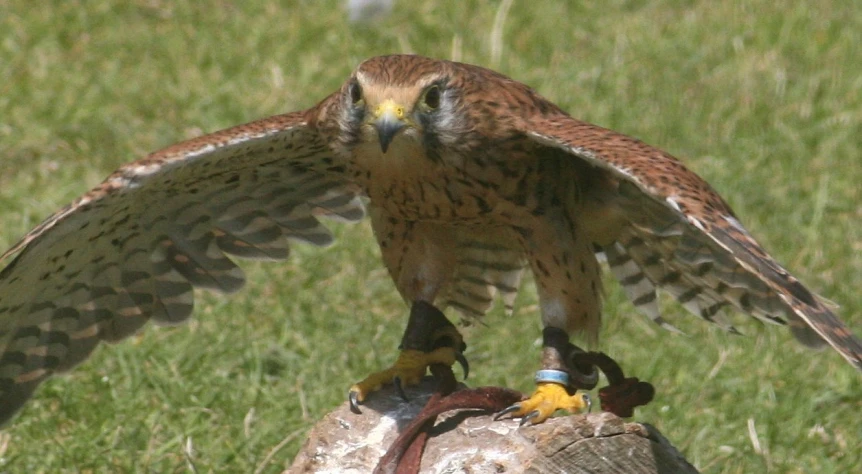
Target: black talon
464,364
400,388
529,416
353,398
510,409
588,401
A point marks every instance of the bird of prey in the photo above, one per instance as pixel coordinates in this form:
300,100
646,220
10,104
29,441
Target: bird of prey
469,178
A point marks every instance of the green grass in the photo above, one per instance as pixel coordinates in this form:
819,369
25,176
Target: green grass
762,98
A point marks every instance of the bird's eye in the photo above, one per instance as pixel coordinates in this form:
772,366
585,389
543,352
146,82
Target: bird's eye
432,97
355,92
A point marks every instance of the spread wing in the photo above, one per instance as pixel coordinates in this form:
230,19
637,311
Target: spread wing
682,237
134,248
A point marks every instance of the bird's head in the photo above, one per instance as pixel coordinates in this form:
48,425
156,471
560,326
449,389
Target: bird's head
393,109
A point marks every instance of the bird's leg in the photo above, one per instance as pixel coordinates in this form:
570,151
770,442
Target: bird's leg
557,382
429,339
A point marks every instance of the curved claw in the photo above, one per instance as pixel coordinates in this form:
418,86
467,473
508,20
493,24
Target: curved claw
459,357
588,401
529,416
399,386
506,411
353,398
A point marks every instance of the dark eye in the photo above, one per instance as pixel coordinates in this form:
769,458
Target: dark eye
355,92
432,97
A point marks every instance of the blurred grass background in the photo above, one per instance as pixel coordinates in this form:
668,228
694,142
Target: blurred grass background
762,98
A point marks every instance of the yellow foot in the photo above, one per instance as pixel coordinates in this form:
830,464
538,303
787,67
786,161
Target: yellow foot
407,370
548,398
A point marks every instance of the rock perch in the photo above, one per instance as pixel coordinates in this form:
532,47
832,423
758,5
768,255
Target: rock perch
471,442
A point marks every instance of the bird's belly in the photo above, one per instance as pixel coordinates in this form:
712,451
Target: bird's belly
445,200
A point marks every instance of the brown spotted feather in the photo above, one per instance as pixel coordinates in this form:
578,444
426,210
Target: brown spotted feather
133,249
686,239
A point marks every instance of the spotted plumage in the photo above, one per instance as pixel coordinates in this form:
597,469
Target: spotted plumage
469,178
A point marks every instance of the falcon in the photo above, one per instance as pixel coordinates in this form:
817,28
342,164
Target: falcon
469,178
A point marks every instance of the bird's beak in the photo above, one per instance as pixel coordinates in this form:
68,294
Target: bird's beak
388,120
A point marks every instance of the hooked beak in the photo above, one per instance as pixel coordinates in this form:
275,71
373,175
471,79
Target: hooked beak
388,120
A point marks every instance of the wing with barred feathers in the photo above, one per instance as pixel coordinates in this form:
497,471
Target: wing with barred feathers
133,249
682,237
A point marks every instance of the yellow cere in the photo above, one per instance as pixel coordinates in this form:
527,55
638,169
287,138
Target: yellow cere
389,106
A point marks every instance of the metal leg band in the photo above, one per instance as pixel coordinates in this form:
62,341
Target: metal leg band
555,376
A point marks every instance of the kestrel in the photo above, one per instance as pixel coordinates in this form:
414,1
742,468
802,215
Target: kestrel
469,178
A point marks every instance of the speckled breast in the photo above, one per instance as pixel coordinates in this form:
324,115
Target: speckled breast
451,189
